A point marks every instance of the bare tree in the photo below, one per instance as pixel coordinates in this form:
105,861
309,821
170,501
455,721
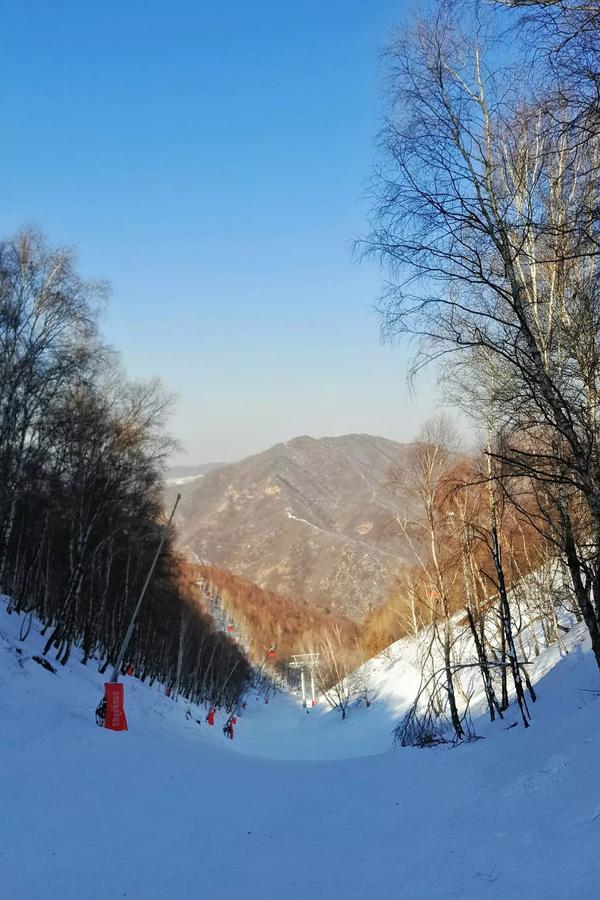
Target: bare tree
335,674
562,36
486,217
422,480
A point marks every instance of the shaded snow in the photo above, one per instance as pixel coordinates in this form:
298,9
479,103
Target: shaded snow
172,811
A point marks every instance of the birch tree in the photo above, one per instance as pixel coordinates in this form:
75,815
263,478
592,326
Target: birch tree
485,217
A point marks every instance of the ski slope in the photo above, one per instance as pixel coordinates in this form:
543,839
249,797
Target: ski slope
299,805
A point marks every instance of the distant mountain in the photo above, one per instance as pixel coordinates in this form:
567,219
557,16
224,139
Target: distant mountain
310,518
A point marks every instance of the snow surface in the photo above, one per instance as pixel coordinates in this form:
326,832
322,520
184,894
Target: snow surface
184,479
299,806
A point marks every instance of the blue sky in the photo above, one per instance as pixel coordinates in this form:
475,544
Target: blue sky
211,161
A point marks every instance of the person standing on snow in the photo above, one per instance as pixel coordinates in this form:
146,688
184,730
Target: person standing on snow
228,727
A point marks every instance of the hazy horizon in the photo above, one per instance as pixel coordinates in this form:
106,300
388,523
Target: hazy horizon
182,461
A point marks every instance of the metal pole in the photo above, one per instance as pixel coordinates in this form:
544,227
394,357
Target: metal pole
312,686
127,638
303,688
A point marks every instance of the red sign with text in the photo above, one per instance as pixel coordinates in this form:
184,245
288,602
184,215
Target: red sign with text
115,711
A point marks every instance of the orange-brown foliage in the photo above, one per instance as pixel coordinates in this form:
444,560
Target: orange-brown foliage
268,618
464,494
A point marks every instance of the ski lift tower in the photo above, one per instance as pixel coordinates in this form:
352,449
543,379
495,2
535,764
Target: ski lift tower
310,662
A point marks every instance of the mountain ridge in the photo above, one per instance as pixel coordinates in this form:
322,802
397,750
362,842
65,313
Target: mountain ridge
311,518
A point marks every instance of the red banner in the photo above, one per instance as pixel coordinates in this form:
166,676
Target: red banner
115,711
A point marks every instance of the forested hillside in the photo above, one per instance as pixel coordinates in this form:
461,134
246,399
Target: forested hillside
273,627
82,451
309,518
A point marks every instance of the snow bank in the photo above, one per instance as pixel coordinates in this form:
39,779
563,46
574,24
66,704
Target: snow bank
167,812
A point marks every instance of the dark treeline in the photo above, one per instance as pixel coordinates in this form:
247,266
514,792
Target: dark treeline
81,457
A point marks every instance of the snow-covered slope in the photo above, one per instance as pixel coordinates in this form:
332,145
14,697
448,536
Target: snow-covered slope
168,811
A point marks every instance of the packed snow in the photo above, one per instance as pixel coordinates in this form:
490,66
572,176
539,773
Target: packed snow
299,805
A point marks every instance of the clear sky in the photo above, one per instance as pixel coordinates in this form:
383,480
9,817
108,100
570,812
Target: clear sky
210,160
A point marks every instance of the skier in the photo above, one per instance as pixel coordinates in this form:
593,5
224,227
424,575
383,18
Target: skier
210,718
228,727
101,713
